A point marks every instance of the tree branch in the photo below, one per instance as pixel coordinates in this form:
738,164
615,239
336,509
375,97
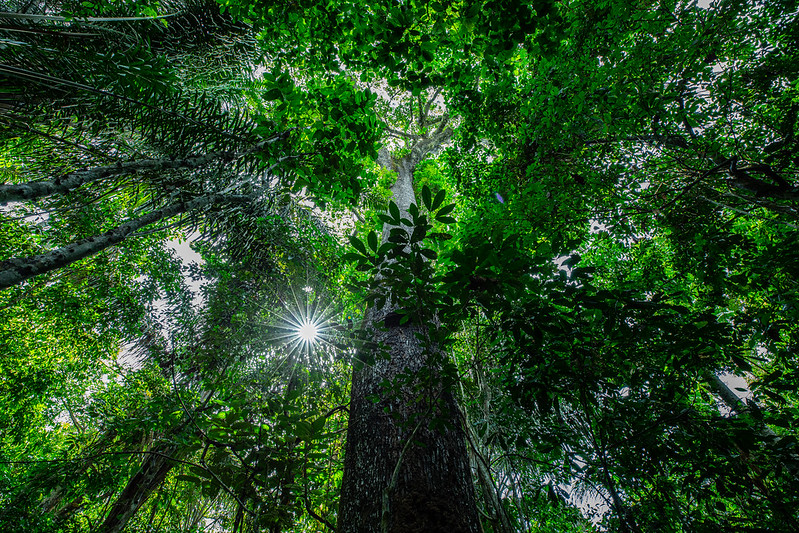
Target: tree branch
401,134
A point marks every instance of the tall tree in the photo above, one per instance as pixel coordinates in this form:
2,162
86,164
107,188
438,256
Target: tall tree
620,239
406,467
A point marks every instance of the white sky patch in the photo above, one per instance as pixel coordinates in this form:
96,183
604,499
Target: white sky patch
559,263
720,67
738,385
596,227
188,257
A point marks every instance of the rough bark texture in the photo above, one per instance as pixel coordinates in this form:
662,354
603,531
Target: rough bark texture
399,474
434,490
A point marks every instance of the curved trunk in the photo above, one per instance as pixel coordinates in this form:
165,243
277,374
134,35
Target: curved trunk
406,468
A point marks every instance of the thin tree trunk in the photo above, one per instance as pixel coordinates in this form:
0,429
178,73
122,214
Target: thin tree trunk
401,475
735,404
62,184
489,488
153,472
17,270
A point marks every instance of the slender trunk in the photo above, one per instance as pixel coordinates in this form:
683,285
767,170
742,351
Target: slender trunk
401,474
62,184
735,404
489,489
17,270
140,487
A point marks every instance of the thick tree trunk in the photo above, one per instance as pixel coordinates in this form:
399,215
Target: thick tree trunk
17,270
401,474
432,488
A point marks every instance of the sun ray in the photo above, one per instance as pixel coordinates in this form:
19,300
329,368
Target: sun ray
304,325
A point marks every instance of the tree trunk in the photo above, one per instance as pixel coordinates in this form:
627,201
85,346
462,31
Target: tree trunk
401,474
736,405
17,270
62,184
152,473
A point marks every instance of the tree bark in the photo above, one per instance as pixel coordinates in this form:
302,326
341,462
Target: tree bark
62,184
401,474
17,270
152,473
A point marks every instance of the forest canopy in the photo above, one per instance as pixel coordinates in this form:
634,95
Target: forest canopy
440,265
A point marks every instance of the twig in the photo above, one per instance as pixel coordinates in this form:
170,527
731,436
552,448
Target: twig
691,185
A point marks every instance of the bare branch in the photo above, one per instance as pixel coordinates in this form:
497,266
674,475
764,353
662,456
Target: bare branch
428,105
402,134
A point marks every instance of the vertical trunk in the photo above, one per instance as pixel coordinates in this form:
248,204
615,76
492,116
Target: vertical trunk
432,488
501,519
401,474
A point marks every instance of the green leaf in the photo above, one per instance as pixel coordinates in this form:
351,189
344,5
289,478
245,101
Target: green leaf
395,213
318,425
741,363
439,199
445,211
357,244
303,429
385,248
426,197
428,253
372,239
273,94
418,234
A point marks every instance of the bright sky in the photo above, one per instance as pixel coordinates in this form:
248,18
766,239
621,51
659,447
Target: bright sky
187,257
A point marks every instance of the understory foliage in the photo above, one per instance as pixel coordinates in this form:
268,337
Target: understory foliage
604,249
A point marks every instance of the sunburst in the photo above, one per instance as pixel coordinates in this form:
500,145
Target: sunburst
304,324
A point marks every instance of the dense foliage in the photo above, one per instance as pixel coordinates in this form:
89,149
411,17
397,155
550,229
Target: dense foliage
605,247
